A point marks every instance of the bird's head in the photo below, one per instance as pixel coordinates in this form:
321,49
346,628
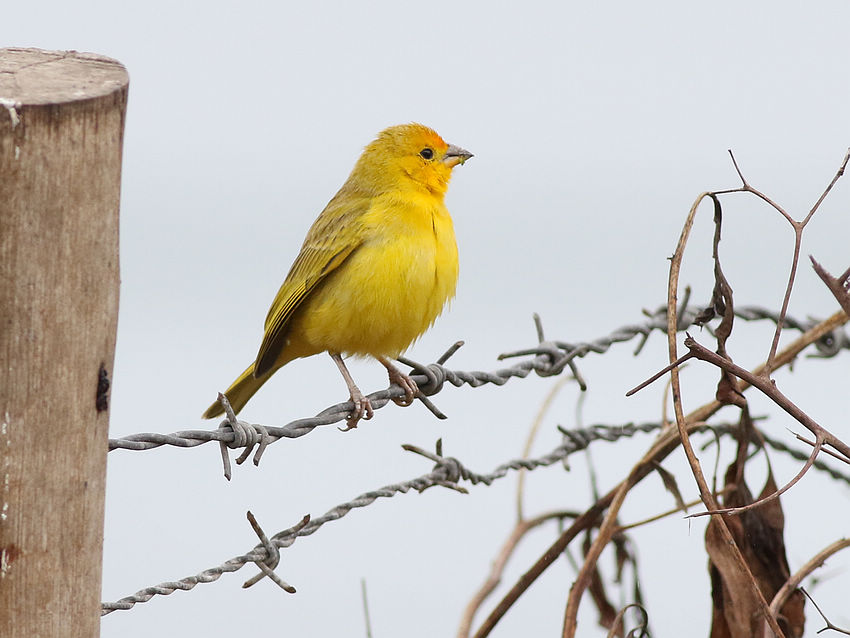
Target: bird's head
409,155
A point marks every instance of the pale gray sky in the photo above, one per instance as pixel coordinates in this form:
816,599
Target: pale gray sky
594,127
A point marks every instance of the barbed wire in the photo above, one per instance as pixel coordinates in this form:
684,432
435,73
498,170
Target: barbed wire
549,359
447,472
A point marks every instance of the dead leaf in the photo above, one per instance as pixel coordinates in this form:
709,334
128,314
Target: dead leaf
758,533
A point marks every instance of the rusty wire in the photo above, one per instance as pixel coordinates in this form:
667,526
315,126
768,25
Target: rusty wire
549,358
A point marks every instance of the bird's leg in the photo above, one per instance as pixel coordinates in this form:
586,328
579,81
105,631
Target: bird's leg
400,378
362,406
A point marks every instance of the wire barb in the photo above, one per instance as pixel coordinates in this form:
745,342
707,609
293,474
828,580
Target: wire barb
245,435
450,466
435,375
268,565
550,356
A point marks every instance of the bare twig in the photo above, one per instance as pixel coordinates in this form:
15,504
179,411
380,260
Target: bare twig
642,628
588,518
497,569
666,443
605,530
746,188
829,624
838,174
774,495
838,286
532,434
661,515
813,335
798,227
681,423
834,455
811,565
769,389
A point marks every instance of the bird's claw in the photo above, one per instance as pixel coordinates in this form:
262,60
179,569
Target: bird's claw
411,390
362,410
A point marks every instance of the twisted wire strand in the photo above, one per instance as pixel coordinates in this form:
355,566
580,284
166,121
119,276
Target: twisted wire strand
549,358
447,472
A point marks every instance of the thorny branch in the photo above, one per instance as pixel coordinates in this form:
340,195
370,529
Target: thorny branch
811,565
838,286
667,442
727,392
798,227
770,390
829,624
522,527
608,525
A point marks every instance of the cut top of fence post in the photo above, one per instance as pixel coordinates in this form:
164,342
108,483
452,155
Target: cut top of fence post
32,77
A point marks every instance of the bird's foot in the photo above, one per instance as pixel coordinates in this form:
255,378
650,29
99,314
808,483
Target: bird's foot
362,410
411,390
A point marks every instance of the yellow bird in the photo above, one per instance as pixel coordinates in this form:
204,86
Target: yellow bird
376,268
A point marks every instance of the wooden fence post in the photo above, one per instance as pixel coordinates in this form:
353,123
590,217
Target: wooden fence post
61,131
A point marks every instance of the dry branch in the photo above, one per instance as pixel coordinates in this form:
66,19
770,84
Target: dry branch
811,565
666,443
838,286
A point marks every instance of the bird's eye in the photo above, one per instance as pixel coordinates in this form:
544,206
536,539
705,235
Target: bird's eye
427,153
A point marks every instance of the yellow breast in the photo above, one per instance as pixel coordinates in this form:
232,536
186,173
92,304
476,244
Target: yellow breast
392,287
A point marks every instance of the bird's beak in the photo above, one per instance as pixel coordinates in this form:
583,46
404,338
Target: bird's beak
455,155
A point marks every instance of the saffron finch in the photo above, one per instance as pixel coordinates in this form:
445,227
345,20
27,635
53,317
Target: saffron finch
376,268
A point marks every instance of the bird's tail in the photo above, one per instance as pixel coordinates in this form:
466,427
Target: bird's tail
239,392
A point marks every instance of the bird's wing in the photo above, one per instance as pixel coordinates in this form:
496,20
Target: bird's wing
333,237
